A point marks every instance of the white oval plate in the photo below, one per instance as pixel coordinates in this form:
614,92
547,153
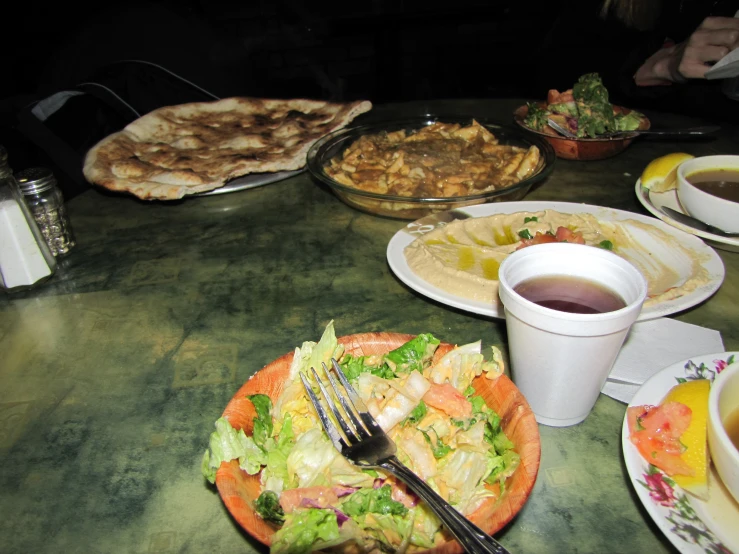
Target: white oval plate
653,201
401,239
692,525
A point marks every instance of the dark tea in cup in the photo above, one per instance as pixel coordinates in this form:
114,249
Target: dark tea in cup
570,294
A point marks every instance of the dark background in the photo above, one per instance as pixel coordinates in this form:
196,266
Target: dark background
381,50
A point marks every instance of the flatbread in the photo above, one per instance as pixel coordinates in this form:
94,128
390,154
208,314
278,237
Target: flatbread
192,148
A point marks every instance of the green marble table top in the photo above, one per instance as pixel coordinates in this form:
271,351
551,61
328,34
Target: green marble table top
113,373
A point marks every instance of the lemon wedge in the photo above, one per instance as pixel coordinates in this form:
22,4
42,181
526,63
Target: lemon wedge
694,394
660,175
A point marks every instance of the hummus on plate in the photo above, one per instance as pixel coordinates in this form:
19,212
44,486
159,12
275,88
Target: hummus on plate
463,257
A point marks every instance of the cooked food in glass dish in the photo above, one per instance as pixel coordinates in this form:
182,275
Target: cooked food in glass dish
440,160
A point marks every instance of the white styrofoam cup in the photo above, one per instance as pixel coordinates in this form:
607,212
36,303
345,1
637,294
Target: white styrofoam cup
561,360
722,401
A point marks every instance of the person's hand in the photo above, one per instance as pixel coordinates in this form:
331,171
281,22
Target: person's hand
691,59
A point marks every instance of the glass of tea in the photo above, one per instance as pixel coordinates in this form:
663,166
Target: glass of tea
723,427
568,309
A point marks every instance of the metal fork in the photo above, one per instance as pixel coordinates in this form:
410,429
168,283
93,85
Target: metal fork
363,442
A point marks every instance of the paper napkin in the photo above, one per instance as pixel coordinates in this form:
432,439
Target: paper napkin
652,346
726,67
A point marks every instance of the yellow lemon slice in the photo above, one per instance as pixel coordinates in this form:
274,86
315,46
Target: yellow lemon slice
694,394
660,175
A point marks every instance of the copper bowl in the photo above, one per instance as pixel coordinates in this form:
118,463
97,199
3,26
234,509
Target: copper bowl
239,490
582,148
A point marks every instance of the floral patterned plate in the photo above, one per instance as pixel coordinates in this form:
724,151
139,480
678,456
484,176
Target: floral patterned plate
693,525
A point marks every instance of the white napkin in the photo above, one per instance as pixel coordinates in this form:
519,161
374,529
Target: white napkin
652,346
726,67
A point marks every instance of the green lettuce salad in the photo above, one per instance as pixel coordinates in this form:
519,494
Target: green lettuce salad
585,110
444,431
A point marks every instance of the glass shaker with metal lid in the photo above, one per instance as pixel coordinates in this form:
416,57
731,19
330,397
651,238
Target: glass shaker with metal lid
25,258
46,203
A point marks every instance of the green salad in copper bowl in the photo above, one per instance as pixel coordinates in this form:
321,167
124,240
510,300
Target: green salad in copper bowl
590,127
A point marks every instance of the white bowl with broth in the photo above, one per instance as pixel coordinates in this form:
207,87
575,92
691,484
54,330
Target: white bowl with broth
723,427
708,189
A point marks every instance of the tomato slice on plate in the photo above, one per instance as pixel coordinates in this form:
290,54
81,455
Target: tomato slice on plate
656,430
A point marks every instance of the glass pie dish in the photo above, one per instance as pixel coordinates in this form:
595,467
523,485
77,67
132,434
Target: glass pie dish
334,144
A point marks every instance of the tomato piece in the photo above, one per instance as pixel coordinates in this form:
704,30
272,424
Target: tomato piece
448,399
556,97
539,238
564,234
656,430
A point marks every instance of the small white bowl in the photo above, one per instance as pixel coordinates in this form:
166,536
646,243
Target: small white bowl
708,208
723,400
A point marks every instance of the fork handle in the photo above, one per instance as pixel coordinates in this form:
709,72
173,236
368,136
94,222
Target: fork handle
470,536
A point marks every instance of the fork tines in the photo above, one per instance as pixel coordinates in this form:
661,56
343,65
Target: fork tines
352,405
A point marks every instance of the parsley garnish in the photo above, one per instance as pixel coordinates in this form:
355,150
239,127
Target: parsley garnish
525,234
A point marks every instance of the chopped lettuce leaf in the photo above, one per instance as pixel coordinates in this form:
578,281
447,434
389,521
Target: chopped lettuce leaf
438,448
416,415
393,532
478,404
275,475
461,365
312,354
413,355
425,526
314,461
352,366
628,122
263,421
304,530
502,466
536,116
377,501
462,472
226,444
501,443
564,108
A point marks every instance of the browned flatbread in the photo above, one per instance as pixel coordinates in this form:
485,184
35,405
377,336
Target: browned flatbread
193,148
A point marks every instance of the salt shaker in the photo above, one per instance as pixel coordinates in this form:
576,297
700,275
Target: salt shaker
45,201
25,258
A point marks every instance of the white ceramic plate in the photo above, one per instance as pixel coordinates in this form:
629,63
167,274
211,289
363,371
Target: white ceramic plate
653,201
399,265
692,525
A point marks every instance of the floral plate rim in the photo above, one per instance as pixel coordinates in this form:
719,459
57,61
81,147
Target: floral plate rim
673,510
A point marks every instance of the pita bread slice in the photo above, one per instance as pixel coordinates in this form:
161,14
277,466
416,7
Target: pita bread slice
191,148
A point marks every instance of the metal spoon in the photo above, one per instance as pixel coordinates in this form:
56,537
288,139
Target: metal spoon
561,130
696,223
691,131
